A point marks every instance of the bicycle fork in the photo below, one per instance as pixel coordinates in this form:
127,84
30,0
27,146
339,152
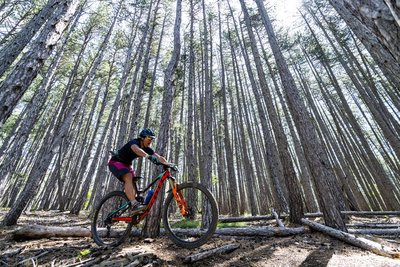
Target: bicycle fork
180,200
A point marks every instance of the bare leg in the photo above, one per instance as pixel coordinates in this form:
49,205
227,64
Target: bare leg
130,190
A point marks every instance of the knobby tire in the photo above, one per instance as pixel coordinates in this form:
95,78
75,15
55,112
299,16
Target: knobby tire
118,231
190,236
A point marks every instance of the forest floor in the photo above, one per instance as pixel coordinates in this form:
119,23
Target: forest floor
309,249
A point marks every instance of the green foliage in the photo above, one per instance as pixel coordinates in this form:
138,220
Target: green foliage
120,41
231,225
7,127
84,252
86,204
97,19
187,224
214,179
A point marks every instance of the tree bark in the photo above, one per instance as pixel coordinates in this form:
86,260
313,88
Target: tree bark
383,51
330,198
18,81
152,224
48,151
271,155
353,240
233,188
212,252
15,46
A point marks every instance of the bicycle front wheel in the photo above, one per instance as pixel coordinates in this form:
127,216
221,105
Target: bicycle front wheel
112,222
199,220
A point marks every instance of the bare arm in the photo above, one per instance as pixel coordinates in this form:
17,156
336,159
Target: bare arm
141,153
138,151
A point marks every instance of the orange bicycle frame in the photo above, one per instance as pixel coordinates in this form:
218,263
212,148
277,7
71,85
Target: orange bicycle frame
180,200
177,196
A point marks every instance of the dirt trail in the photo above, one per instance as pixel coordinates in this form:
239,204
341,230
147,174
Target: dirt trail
310,249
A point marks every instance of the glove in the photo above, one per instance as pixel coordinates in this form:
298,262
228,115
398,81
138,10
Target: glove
174,167
154,159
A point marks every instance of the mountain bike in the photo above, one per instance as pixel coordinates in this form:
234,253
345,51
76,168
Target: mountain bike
189,216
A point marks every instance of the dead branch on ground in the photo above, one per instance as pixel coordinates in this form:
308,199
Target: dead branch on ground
206,254
353,240
261,231
279,222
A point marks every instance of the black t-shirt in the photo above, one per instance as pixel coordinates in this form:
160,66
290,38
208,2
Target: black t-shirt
126,155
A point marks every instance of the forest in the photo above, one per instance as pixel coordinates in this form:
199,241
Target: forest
298,119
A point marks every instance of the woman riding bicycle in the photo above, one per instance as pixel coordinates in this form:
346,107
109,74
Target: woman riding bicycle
120,164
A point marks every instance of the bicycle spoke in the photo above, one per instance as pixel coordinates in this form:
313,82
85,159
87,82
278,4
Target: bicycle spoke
199,223
112,222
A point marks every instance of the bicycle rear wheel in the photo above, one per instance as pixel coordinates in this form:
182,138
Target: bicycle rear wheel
112,222
199,223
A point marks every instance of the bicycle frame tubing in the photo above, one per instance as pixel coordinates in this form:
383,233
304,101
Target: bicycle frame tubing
177,195
162,177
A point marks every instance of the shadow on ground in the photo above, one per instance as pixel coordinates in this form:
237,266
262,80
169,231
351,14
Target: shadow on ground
319,257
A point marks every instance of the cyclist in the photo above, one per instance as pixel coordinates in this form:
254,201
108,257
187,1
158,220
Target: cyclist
120,164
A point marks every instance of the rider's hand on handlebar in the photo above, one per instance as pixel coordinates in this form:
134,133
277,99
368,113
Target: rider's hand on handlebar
154,159
173,166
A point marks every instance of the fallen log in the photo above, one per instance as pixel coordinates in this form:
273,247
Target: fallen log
261,231
306,215
371,213
374,225
356,213
40,231
375,231
246,219
353,240
206,254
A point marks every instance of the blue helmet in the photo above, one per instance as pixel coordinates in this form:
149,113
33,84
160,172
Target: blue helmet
147,132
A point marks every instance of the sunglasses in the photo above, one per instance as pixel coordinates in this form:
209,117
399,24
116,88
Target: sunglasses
149,138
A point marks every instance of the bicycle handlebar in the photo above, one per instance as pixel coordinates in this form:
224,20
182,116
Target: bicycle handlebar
170,165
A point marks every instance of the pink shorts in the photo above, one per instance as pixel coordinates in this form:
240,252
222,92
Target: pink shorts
119,169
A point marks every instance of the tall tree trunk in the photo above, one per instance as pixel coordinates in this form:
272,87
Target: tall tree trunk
15,46
48,151
249,177
233,188
127,121
290,179
14,152
271,155
87,179
383,51
207,141
190,154
376,169
330,197
18,81
152,224
145,68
